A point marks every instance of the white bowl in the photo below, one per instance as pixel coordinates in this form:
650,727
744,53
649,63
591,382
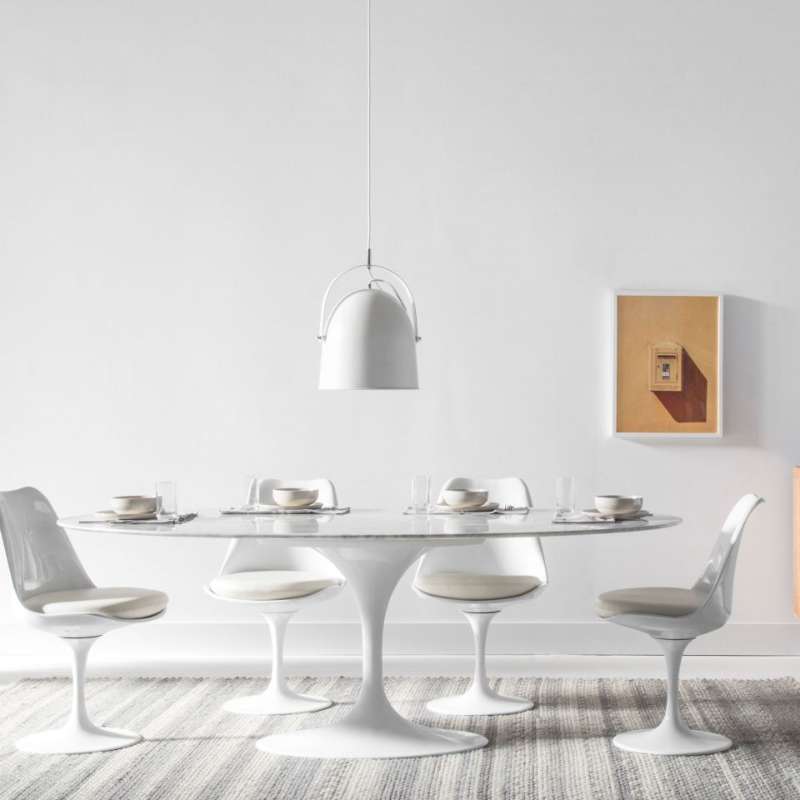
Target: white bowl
617,503
133,504
290,497
465,498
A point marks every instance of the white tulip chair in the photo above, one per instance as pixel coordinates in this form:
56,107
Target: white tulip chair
674,617
278,580
56,596
481,580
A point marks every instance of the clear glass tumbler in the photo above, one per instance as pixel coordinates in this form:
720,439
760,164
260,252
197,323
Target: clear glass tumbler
565,494
251,484
421,493
166,498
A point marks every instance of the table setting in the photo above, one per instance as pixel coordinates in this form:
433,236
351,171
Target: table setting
607,508
160,508
455,501
288,500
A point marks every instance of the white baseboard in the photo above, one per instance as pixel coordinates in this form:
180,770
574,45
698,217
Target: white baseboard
315,648
545,666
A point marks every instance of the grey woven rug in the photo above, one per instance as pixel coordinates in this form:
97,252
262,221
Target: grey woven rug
559,751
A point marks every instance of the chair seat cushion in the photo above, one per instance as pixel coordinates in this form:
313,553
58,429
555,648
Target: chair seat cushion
270,584
475,586
660,601
122,602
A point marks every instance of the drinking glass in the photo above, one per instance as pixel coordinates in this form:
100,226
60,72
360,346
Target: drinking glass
166,498
565,494
251,490
421,493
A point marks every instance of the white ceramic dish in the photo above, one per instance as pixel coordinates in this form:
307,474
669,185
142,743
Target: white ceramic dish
617,504
446,509
133,505
136,517
289,497
464,499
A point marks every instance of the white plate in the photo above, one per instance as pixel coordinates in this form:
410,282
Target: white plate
111,516
265,510
445,509
628,515
261,507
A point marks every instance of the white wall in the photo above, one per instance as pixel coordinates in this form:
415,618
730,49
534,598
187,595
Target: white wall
181,179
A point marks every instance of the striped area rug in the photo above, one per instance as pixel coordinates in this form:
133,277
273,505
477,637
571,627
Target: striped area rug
559,751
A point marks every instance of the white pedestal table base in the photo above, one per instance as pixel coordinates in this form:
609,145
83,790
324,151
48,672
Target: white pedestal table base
373,729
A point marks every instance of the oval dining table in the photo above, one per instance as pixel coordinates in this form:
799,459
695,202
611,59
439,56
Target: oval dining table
372,549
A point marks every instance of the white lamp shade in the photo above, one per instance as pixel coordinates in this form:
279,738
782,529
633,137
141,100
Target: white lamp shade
369,344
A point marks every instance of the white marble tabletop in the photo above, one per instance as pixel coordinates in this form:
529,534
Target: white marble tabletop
372,524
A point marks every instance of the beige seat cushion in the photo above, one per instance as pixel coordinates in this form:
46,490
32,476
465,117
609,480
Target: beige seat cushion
661,601
270,584
475,586
122,602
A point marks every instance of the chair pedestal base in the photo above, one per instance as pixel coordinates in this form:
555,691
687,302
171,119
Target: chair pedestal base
478,701
79,734
278,698
672,737
77,739
671,741
286,702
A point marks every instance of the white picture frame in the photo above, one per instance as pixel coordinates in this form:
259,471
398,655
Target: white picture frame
642,435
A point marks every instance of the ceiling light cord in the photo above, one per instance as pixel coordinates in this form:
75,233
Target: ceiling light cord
369,136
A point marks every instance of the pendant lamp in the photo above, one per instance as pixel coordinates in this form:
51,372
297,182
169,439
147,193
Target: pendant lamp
369,337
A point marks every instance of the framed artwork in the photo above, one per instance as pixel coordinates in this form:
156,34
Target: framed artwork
667,365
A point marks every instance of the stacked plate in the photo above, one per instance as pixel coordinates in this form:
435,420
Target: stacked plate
607,508
128,508
464,501
619,506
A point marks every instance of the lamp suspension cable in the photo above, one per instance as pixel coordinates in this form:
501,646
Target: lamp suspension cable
369,136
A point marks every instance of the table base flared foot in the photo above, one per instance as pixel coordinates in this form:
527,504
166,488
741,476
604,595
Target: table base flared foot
266,703
669,741
77,740
472,704
403,739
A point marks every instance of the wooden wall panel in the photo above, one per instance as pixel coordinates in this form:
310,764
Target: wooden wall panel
797,541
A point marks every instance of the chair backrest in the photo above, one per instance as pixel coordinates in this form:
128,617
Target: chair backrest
251,555
719,572
40,555
497,556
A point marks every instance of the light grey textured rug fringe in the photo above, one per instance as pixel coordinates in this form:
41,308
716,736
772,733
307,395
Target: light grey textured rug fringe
559,751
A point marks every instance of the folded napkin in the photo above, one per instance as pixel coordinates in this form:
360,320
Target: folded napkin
172,519
489,508
591,515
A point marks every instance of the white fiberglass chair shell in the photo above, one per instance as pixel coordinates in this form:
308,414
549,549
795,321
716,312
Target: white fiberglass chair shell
480,580
57,596
674,617
279,580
